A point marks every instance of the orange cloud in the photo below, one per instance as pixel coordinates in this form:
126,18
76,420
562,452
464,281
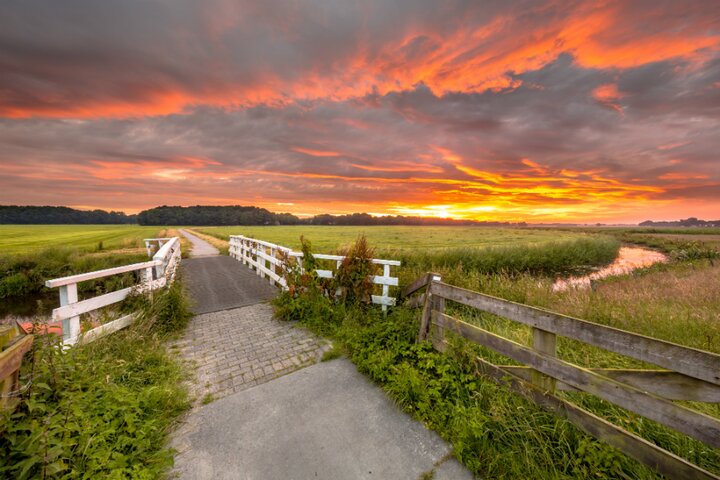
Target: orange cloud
316,153
473,56
609,95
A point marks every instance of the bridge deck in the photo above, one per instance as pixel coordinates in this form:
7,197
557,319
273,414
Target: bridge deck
221,283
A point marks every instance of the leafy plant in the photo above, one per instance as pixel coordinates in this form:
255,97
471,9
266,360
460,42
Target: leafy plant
96,411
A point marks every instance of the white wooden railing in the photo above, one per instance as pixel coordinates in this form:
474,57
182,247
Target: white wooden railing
263,257
156,273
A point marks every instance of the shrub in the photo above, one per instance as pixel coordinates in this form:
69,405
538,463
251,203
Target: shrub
353,277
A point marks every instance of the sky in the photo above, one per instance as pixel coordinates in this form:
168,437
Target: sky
536,111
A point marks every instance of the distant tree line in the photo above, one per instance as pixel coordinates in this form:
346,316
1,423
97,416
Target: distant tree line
687,222
367,219
26,215
240,215
211,215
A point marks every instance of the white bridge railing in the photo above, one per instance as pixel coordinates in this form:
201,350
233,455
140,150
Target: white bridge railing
154,274
263,257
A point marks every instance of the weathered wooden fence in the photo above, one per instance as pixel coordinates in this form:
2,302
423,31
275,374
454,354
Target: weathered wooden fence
13,345
687,374
265,258
155,274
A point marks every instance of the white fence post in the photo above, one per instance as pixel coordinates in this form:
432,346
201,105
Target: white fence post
71,326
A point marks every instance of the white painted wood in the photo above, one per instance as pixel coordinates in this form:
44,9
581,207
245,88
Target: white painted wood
85,306
164,264
106,329
377,299
82,277
71,324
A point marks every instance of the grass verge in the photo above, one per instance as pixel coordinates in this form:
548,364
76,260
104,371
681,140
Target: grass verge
101,410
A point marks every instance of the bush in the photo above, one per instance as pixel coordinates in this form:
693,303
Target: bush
353,277
165,311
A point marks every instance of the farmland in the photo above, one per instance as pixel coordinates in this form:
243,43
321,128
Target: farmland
20,239
400,238
676,301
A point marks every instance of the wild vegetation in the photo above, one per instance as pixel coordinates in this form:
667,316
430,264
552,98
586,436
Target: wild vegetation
493,431
100,410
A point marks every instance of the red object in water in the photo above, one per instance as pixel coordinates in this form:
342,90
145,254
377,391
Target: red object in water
38,328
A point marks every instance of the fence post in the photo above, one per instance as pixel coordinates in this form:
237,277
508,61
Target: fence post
272,265
544,342
428,307
71,326
385,288
438,304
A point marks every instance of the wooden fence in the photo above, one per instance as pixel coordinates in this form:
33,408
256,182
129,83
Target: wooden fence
687,374
154,274
265,259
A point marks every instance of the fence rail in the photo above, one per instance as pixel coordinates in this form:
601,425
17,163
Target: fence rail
690,374
264,258
154,274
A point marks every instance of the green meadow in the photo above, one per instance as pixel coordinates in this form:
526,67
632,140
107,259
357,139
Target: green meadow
383,238
20,239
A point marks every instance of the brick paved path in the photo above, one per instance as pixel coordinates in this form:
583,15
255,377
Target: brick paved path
233,350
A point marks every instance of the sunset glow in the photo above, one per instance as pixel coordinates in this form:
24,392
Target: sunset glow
604,111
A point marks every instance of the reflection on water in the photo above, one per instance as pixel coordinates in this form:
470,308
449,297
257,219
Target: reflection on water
628,259
28,308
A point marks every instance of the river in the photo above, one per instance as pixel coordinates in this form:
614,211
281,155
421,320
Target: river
628,259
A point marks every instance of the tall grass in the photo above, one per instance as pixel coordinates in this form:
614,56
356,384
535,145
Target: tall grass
554,258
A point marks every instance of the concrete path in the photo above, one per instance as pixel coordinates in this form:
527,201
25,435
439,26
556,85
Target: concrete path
200,248
221,283
326,421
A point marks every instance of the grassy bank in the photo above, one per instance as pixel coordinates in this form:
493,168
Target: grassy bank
25,274
496,433
101,410
548,258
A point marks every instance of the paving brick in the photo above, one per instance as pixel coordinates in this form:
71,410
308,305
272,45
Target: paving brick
233,350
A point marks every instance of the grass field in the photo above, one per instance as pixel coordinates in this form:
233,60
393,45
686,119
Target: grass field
19,239
326,239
